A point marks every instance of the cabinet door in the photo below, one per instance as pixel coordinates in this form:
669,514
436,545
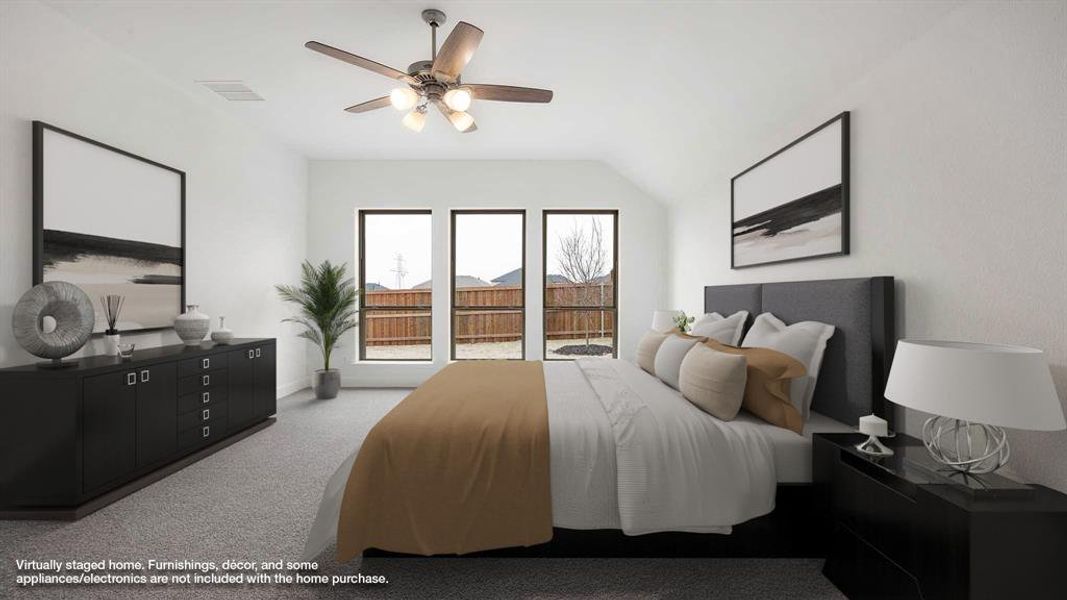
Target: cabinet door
109,426
266,395
157,413
242,388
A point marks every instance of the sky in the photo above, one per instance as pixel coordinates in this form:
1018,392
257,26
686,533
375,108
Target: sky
487,245
560,225
410,236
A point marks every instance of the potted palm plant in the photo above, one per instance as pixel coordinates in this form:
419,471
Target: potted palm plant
327,311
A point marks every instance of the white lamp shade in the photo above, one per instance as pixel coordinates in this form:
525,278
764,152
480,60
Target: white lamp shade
663,320
1007,386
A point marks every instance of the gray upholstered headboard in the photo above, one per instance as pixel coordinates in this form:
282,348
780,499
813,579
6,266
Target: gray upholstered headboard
852,378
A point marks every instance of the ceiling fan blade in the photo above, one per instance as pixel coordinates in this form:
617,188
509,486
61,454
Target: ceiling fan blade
369,105
447,112
359,61
508,93
457,51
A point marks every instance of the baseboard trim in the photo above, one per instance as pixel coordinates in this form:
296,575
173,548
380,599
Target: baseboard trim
82,510
292,387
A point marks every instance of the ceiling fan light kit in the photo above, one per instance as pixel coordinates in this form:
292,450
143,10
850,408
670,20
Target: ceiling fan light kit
436,81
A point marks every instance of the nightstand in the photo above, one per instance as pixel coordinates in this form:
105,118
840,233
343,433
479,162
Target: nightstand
900,531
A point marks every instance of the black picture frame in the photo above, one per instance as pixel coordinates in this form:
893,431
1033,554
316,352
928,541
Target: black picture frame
844,118
39,128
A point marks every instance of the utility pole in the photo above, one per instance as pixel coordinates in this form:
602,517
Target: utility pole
400,271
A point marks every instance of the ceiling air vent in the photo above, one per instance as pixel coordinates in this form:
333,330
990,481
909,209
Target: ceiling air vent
235,91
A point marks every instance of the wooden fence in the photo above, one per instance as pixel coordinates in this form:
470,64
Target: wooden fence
407,327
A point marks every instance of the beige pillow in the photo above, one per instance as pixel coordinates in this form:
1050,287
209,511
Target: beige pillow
767,387
646,350
714,381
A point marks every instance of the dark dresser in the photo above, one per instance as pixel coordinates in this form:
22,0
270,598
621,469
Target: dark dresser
73,440
900,530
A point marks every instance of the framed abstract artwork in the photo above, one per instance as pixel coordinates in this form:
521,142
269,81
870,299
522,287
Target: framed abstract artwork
110,222
793,205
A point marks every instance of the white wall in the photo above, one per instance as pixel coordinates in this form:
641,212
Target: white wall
337,189
245,197
959,189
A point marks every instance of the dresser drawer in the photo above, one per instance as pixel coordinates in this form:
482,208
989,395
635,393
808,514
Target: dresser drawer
192,366
204,381
882,515
201,435
215,414
202,399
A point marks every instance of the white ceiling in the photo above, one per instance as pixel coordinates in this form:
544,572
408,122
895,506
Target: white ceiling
659,90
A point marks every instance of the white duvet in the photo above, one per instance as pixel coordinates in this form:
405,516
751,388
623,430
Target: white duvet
629,453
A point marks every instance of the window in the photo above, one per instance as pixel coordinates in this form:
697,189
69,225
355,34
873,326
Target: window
395,259
581,283
488,284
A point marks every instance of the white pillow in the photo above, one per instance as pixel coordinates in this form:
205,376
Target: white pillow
804,341
669,357
721,329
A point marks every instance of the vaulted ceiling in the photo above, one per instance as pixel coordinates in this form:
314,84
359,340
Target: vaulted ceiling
659,90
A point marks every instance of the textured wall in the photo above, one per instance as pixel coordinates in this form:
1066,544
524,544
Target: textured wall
245,196
959,189
339,188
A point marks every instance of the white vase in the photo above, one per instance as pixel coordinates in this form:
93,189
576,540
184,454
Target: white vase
192,325
223,335
111,344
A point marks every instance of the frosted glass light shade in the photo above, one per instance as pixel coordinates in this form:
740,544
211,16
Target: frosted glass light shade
458,99
403,98
461,120
415,120
1007,386
663,320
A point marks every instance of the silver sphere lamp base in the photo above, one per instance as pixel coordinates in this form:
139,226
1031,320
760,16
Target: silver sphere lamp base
965,446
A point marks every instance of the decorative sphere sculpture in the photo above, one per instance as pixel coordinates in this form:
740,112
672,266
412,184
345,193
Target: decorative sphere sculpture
64,302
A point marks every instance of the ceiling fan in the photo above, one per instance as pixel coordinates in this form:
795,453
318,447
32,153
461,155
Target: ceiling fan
436,81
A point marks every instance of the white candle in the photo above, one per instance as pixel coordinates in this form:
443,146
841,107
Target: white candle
874,425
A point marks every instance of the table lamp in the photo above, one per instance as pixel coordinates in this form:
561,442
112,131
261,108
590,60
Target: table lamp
663,320
974,390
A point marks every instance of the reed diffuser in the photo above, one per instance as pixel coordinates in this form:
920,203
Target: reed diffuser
112,304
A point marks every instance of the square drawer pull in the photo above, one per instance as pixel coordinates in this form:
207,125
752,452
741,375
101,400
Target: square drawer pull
257,352
207,431
205,380
131,378
205,397
204,416
145,376
251,353
205,364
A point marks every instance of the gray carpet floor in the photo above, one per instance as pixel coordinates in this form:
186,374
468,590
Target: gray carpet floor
256,500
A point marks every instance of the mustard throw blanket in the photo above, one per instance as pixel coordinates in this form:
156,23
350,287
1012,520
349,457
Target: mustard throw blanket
460,465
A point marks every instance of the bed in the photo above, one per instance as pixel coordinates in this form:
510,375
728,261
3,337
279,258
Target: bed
616,490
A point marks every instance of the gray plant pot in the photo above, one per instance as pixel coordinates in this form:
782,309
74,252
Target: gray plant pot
327,383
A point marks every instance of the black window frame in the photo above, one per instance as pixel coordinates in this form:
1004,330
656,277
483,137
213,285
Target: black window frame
453,309
364,309
546,308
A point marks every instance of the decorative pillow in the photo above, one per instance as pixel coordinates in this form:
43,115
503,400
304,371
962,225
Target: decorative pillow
647,347
723,329
804,341
714,381
670,354
768,375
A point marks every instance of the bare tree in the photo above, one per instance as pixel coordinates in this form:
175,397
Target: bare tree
582,260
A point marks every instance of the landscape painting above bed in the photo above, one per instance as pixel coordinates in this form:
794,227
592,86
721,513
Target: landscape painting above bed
793,205
109,222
